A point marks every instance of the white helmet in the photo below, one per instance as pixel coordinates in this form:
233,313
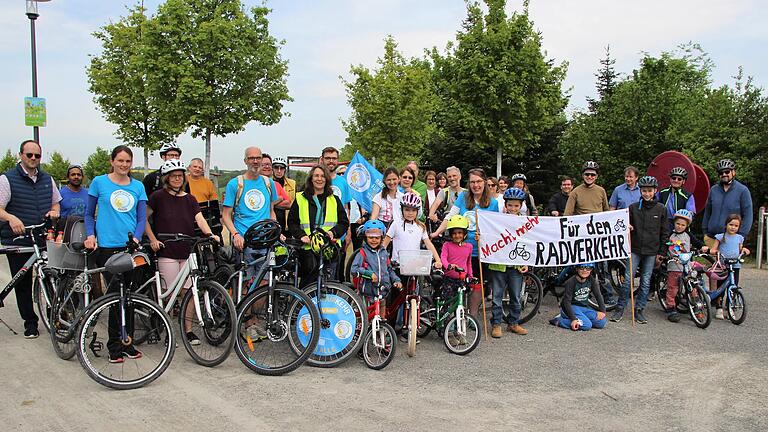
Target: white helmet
279,160
168,147
172,165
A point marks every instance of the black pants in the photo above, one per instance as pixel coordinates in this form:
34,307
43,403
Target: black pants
309,268
114,343
23,290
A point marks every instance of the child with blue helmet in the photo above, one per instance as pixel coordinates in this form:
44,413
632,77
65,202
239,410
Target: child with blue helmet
372,265
575,311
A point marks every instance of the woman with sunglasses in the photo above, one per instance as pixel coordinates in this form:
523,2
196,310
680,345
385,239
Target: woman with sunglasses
493,188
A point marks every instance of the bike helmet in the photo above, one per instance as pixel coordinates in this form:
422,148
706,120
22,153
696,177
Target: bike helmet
374,228
725,164
648,181
262,234
321,244
457,222
514,194
679,171
410,200
278,160
588,265
518,177
168,147
172,165
590,165
683,214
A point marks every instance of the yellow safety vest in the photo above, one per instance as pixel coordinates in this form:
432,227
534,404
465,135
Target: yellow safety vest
331,216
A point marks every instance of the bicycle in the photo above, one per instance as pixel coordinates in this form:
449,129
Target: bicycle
519,251
43,278
276,323
459,330
214,312
381,341
114,315
531,294
734,304
691,296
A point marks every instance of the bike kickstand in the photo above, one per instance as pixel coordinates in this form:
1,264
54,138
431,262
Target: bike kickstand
9,327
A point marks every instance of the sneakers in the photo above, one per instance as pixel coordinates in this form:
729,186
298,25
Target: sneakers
617,314
131,352
193,339
496,331
718,315
673,316
32,333
555,321
116,358
610,303
517,329
639,317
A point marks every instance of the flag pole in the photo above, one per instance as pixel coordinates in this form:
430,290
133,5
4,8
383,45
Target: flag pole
482,281
631,279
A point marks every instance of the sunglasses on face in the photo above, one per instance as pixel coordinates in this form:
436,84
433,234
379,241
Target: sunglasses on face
407,177
726,172
33,155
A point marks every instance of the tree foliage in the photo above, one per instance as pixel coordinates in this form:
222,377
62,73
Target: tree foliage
118,80
98,163
57,167
215,68
392,108
8,161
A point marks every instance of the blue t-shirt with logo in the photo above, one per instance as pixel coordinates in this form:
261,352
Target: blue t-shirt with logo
341,189
254,202
73,203
460,203
116,209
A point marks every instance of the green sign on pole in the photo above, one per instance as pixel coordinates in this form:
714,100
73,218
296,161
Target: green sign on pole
34,111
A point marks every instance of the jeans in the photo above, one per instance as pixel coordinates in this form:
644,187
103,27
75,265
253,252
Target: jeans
646,263
23,290
510,280
587,316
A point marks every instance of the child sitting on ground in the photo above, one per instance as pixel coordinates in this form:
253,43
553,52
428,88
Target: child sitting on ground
575,312
372,266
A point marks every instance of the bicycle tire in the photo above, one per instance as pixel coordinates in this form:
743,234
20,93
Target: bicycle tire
530,299
216,335
163,347
735,302
699,306
427,317
452,340
413,326
65,315
294,306
378,358
337,355
43,296
348,265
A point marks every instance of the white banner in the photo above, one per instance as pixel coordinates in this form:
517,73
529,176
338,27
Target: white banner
544,241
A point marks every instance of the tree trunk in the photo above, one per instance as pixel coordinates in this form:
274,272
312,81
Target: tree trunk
498,162
208,154
146,161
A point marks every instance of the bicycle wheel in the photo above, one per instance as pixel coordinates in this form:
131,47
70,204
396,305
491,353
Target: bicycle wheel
659,283
43,294
214,337
378,357
458,343
427,317
413,326
348,266
276,344
93,343
735,306
698,305
530,297
343,324
65,311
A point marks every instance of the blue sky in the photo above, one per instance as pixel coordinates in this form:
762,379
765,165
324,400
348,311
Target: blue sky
323,38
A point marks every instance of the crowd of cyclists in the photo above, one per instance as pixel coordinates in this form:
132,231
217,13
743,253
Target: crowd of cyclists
437,214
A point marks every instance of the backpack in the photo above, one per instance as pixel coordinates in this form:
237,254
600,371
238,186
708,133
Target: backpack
357,281
241,185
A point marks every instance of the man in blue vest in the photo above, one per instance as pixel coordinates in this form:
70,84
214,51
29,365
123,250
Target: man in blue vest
27,196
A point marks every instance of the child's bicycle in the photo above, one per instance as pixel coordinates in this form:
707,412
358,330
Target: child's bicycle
734,305
381,341
460,330
692,296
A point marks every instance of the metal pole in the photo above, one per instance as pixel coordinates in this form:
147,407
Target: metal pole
760,237
32,18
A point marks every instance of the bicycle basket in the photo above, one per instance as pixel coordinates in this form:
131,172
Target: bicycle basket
415,263
62,257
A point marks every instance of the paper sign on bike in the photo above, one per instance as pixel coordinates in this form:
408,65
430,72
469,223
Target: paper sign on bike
553,241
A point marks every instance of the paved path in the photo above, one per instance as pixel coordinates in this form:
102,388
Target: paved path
660,376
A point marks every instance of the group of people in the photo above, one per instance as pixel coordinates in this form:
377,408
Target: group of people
408,214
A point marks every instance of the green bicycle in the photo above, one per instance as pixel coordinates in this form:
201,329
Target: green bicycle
447,315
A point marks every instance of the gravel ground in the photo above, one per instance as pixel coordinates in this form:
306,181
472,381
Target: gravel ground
659,376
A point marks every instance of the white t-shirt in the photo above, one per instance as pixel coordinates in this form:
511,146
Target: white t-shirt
406,238
431,196
389,208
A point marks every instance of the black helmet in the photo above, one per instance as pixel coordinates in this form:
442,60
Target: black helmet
678,171
590,165
725,164
518,177
262,234
648,181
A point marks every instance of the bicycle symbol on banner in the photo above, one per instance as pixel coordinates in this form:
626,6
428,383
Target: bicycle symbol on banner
620,225
519,251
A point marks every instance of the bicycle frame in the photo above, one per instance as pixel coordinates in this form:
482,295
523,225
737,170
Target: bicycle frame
728,286
374,316
404,298
455,305
33,263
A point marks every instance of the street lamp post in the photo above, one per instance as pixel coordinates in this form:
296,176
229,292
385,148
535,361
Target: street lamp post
32,14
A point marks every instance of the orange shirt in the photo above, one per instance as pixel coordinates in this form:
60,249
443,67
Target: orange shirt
202,189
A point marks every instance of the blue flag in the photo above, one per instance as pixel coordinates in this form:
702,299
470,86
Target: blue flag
364,181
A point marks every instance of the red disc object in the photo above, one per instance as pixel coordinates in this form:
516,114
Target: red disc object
702,188
664,162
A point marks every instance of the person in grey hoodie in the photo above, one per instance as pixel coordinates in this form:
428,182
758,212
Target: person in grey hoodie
371,268
725,198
